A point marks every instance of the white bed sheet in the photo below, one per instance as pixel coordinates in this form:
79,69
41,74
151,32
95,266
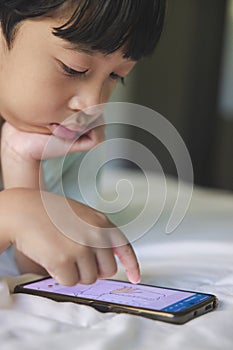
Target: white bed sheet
197,256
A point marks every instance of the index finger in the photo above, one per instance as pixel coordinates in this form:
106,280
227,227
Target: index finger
129,261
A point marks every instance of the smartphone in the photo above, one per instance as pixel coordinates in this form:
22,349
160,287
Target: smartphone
158,303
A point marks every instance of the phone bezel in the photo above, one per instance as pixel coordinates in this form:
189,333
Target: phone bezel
178,317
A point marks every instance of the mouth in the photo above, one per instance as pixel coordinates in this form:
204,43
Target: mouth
80,128
86,138
71,133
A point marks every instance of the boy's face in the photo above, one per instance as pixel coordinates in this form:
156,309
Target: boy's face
39,88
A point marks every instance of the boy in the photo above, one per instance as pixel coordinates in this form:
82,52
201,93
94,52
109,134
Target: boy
58,58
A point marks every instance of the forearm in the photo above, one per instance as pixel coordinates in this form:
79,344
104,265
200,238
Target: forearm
21,173
25,173
8,228
19,167
18,172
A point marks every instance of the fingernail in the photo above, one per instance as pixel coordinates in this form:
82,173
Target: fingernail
135,279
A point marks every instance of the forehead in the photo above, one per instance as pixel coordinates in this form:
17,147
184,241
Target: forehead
44,28
86,50
37,36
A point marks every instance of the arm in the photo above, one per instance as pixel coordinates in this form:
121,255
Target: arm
21,169
21,155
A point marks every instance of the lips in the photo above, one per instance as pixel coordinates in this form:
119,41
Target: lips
64,132
85,140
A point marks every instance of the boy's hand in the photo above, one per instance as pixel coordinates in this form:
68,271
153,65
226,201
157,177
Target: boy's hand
22,151
33,147
31,230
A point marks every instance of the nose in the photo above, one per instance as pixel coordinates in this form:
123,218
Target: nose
85,98
86,106
84,116
85,112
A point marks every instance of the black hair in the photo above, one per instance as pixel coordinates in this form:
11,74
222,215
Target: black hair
101,25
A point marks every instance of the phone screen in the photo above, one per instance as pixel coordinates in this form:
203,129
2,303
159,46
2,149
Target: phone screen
125,293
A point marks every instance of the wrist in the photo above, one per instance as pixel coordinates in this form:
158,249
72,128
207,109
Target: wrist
19,170
16,152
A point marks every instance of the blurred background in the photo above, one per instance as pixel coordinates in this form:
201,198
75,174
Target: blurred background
189,80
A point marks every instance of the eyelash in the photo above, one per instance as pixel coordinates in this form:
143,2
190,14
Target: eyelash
115,76
73,74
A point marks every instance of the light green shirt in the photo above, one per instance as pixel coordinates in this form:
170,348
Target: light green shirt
61,175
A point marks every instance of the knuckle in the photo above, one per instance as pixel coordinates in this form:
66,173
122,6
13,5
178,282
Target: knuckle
88,279
128,249
109,271
102,221
68,281
64,259
112,271
58,262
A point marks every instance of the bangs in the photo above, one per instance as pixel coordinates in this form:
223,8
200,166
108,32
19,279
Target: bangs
134,26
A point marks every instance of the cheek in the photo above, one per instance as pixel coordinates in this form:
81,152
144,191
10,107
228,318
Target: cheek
31,96
107,91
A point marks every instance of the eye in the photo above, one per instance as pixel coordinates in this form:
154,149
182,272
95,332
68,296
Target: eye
72,72
117,77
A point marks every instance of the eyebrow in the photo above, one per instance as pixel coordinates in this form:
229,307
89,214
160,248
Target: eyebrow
79,48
